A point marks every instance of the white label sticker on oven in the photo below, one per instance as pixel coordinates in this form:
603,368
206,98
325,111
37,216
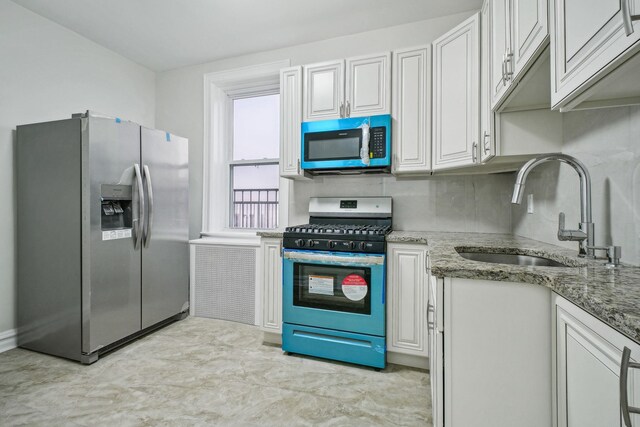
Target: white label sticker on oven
322,285
354,287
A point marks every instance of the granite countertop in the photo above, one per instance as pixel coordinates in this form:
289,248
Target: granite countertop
610,294
408,237
270,233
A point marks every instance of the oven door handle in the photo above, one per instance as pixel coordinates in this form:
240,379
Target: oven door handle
356,260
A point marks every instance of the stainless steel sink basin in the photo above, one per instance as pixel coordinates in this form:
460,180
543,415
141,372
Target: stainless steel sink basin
512,259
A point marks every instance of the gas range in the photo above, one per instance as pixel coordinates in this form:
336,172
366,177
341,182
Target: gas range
333,281
343,225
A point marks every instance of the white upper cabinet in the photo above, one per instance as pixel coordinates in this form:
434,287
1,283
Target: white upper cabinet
323,90
290,121
529,31
589,40
456,90
411,111
499,45
368,85
487,137
519,31
363,90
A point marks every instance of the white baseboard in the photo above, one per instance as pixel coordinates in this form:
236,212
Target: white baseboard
408,360
272,338
8,340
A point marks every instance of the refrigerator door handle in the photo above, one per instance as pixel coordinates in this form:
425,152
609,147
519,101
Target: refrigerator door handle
149,222
140,220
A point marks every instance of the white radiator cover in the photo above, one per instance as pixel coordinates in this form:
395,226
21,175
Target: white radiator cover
223,282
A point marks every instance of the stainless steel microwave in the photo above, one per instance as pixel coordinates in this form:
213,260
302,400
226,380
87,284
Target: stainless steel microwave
351,145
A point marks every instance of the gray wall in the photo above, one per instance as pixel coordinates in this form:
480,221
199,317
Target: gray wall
607,141
47,73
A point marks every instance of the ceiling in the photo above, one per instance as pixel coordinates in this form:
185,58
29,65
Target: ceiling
166,34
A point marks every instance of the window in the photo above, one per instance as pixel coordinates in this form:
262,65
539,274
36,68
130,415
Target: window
242,189
254,171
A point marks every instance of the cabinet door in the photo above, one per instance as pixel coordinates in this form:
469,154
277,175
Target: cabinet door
368,85
290,120
587,36
499,46
407,299
529,31
323,90
588,370
271,276
436,372
456,78
411,111
487,137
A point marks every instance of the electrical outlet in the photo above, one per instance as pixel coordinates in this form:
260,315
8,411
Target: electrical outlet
529,203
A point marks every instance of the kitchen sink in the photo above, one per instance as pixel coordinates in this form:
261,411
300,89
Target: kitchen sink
513,259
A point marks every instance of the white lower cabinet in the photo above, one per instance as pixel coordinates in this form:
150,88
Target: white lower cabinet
407,299
270,273
588,358
497,354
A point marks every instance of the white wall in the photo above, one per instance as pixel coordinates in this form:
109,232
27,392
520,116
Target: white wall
607,142
48,72
180,109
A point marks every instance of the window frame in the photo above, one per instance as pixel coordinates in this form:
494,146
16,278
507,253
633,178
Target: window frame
221,89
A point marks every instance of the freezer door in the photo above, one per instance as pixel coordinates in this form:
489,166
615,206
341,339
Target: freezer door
111,265
165,253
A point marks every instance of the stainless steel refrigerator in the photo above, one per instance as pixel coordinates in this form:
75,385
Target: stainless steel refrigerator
102,234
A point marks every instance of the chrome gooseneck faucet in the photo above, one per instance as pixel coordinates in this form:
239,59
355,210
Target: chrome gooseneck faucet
584,235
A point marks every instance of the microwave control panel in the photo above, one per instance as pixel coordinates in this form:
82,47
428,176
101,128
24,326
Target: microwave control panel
378,143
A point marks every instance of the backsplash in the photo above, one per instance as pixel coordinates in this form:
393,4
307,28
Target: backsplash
454,203
607,141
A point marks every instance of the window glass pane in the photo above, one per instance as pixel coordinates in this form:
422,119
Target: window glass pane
255,196
256,128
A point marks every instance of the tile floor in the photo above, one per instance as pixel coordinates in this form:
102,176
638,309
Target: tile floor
205,372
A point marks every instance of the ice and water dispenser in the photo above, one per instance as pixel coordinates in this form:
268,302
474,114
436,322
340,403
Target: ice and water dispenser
117,212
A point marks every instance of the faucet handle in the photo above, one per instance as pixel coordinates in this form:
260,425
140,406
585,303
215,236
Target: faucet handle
614,253
571,235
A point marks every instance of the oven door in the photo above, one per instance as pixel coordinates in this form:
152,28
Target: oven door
334,290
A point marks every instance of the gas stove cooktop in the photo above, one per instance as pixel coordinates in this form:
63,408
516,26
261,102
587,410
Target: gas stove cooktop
353,225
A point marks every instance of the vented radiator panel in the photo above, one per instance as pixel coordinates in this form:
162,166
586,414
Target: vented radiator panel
225,283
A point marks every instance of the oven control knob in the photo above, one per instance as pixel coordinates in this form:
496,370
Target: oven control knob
299,243
363,246
332,244
352,245
311,243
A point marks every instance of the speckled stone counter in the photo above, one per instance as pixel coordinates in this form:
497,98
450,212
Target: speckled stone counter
610,294
407,237
276,234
